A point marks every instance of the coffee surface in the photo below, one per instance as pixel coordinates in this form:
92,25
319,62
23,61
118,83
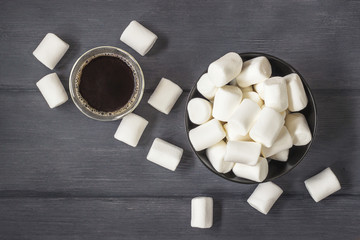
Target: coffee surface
106,83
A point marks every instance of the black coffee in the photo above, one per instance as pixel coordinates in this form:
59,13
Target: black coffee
106,83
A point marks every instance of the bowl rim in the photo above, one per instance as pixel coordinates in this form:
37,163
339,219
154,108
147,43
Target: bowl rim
308,146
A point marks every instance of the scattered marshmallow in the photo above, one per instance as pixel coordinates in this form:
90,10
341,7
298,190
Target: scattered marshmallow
298,129
216,154
138,37
50,50
255,173
282,142
227,98
130,129
225,69
296,93
165,154
165,96
202,212
322,185
206,87
253,96
254,71
232,134
281,156
199,110
259,88
244,116
264,197
52,90
275,93
242,152
267,127
206,135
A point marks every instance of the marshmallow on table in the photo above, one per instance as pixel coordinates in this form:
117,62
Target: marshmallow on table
255,173
206,87
225,69
282,142
253,96
298,129
296,92
52,90
199,110
216,154
264,197
138,37
322,185
165,96
50,50
254,71
227,98
206,135
165,154
281,156
275,93
259,88
232,134
242,152
130,129
244,116
267,127
202,212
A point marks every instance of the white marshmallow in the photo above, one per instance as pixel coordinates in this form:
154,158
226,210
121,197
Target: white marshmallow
322,185
165,154
244,116
276,94
282,142
254,71
227,98
259,88
264,197
253,96
255,173
206,135
246,89
50,50
130,129
296,93
165,96
232,134
298,129
52,90
199,110
138,37
202,212
281,156
206,87
216,154
225,69
267,127
242,152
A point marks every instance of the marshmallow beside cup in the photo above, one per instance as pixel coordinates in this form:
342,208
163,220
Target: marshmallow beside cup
202,212
130,129
52,90
138,37
264,197
50,50
254,71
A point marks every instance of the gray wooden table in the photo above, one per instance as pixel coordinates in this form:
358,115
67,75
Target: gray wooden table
64,176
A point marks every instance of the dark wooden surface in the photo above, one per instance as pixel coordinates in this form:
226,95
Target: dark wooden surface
64,176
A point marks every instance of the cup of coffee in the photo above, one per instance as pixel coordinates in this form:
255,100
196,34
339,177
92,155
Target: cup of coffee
106,83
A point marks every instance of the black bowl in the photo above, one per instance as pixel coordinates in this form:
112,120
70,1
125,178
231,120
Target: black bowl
296,154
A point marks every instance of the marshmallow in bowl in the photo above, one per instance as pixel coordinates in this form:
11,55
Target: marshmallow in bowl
247,89
242,152
281,156
138,37
199,110
296,93
50,50
282,142
275,93
259,88
52,90
232,134
255,173
267,127
298,129
264,197
225,69
206,87
216,154
322,185
130,129
202,212
253,96
254,71
227,98
206,135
